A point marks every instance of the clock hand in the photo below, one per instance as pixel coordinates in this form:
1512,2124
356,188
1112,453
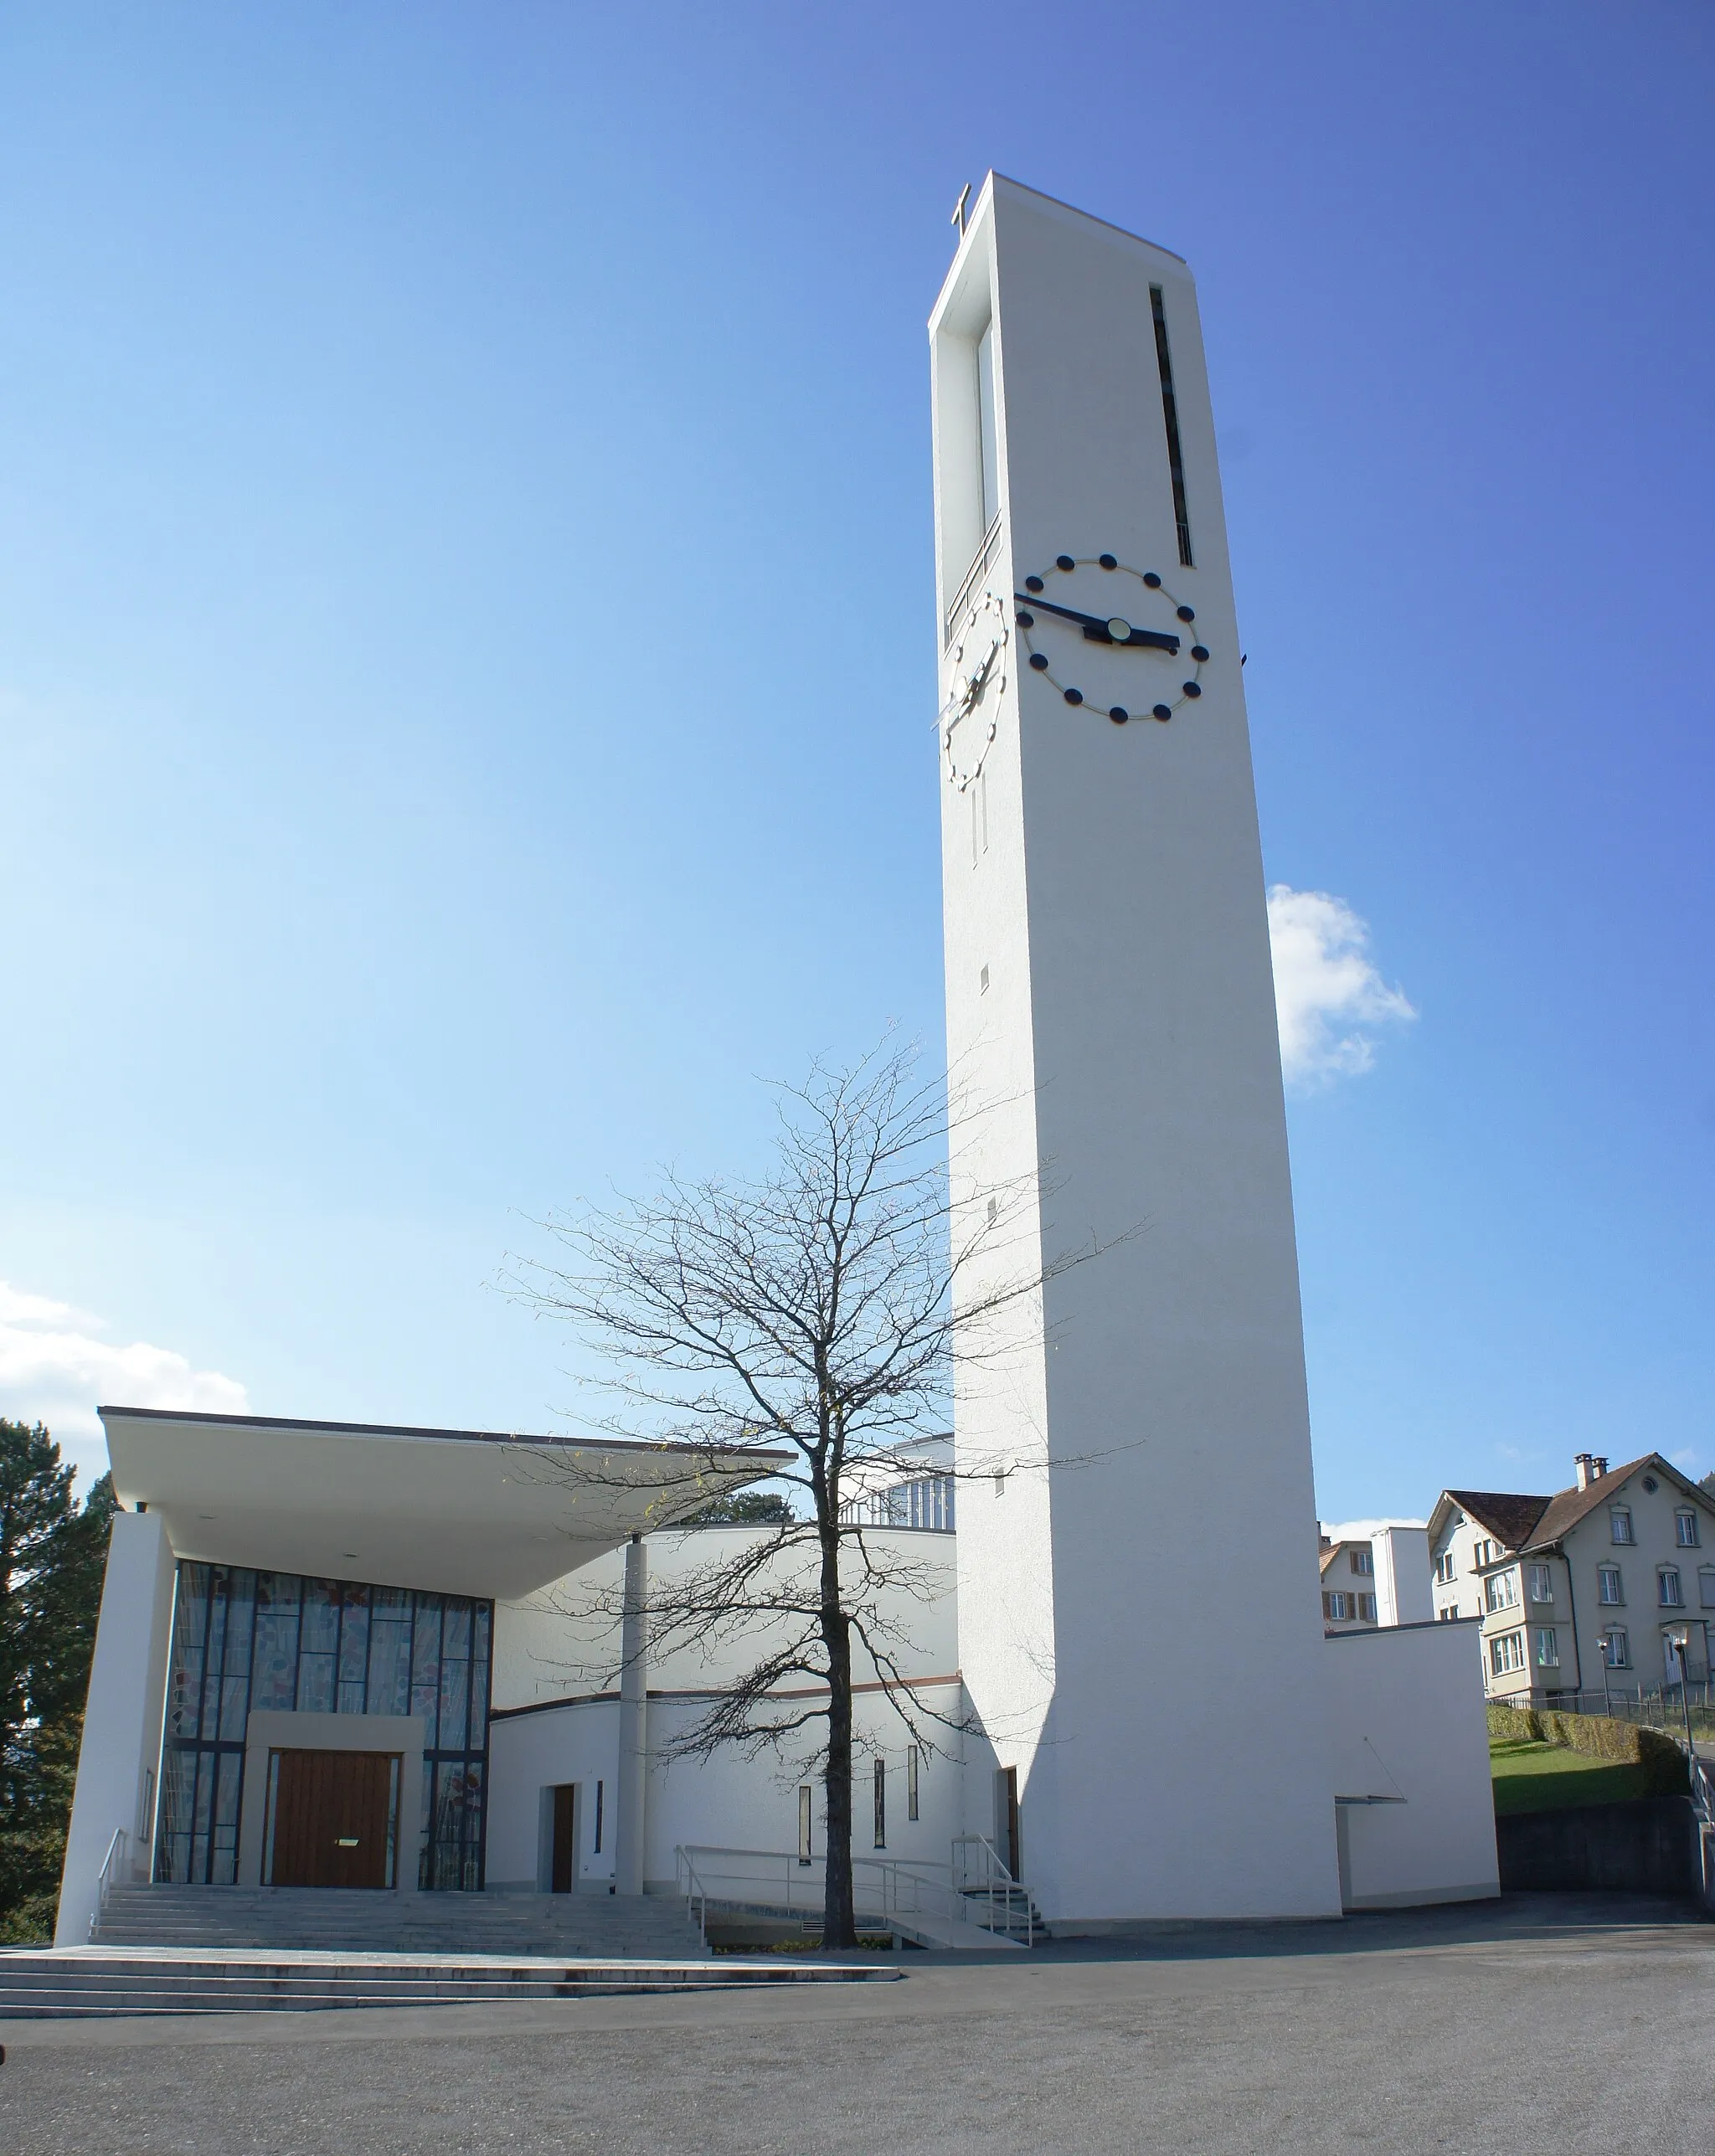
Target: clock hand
1096,629
974,686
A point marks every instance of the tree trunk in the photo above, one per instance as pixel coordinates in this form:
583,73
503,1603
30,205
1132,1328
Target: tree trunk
839,1922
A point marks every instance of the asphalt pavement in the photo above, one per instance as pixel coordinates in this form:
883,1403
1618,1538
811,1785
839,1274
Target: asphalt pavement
1544,2022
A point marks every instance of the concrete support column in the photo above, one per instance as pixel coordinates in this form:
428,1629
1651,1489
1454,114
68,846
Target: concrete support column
630,1826
121,1736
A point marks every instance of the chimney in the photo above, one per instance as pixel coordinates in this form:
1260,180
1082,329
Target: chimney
1591,1468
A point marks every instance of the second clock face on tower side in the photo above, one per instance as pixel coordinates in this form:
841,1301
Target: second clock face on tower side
1111,639
979,661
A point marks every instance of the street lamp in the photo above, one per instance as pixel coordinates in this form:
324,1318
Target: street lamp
1680,1642
1605,1642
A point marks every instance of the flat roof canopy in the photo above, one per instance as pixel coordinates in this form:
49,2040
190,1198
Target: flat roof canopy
477,1512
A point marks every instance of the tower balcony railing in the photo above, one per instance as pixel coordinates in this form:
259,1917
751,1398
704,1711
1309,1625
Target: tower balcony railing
928,1504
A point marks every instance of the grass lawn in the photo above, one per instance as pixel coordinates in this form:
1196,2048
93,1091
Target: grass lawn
1542,1778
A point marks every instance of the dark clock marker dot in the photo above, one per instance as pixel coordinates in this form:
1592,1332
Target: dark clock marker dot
1199,652
1028,621
1187,614
1118,714
1065,562
1107,561
1190,688
1163,711
1032,583
1073,696
1152,580
1039,661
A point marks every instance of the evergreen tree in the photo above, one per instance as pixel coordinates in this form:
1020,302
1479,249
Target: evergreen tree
52,1553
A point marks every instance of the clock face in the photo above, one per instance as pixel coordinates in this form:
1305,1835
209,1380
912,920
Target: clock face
979,661
1112,640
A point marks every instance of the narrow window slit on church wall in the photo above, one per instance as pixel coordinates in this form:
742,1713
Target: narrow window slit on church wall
1170,414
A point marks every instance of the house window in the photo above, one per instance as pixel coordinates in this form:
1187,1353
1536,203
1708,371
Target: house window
1363,1562
1501,1590
911,1767
601,1793
1706,1586
1547,1648
881,1803
1445,1568
1448,1615
1686,1525
1336,1606
1671,1593
1608,1587
1619,1523
1506,1653
1365,1608
1615,1653
1541,1583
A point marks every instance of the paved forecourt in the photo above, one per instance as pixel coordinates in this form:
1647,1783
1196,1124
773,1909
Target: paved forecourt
1544,2021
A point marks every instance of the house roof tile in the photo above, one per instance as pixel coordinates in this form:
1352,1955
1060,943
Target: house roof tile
1508,1518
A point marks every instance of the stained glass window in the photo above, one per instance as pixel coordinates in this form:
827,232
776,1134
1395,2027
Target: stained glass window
243,1640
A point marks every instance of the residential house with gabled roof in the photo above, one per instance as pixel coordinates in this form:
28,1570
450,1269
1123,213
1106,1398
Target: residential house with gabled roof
1347,1563
1609,1582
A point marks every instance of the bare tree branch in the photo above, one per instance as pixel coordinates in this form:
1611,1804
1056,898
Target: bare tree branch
810,1310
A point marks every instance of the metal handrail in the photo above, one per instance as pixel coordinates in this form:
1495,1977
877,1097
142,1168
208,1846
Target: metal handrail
884,1888
104,1878
995,1883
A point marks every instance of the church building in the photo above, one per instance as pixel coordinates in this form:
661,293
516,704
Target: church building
349,1656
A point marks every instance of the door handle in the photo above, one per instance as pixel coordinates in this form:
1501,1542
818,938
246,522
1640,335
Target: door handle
346,1841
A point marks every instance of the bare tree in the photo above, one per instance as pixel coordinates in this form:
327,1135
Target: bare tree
811,1308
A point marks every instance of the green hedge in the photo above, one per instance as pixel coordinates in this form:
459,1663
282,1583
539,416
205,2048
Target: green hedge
1598,1737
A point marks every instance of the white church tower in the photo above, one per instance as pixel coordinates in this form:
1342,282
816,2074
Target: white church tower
1139,1627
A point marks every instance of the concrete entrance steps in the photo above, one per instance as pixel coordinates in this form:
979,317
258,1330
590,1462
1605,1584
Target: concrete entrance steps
91,1981
575,1926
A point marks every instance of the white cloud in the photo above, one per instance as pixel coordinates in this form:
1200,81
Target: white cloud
55,1370
1329,997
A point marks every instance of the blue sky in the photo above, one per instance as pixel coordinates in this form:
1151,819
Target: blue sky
466,656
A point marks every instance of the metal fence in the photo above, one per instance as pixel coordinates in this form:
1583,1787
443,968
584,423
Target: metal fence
1670,1709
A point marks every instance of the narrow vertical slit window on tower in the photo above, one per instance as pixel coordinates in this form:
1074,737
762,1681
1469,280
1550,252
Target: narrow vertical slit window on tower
988,453
1170,414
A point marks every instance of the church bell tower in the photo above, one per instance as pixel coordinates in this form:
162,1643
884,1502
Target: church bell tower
1137,1536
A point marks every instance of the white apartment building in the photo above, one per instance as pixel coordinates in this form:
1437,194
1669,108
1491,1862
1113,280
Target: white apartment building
1609,1582
1375,1573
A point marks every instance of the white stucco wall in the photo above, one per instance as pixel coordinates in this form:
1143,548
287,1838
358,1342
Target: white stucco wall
1406,1723
563,1643
727,1801
563,1646
119,1758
